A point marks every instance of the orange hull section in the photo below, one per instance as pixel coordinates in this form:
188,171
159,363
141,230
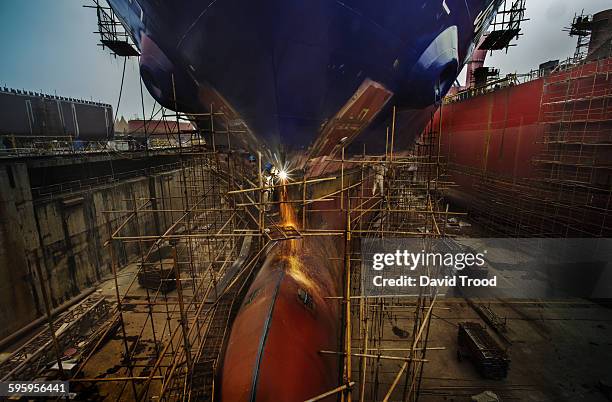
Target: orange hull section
285,320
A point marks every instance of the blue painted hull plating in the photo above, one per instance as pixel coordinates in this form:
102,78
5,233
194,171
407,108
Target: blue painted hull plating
286,68
302,75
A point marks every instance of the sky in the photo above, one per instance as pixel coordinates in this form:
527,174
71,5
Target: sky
543,36
49,46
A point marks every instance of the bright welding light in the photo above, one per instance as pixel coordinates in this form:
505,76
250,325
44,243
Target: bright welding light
283,175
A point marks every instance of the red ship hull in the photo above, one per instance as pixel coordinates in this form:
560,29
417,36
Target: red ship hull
283,324
534,158
496,134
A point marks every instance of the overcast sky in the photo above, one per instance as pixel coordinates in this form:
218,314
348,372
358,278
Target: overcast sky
543,38
49,46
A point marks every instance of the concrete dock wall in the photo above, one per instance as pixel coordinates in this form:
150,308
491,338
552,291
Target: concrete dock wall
65,235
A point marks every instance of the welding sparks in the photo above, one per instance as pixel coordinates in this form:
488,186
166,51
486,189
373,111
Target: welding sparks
283,175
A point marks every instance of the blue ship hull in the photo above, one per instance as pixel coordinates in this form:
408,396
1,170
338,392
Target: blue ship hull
287,68
303,76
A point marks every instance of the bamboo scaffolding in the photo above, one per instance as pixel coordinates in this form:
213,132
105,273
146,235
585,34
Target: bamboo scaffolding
214,206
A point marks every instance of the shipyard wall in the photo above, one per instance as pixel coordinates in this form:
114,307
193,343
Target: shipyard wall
64,237
17,299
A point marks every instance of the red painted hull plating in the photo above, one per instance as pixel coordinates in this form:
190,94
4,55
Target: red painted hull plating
501,132
534,158
497,133
284,322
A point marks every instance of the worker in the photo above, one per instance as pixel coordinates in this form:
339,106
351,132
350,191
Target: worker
412,168
379,178
269,177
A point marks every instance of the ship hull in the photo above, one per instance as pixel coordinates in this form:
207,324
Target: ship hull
302,78
496,134
286,319
534,158
287,69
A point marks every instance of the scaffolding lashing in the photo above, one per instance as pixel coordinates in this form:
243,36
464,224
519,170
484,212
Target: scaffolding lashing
203,232
196,250
112,33
575,167
570,193
411,205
